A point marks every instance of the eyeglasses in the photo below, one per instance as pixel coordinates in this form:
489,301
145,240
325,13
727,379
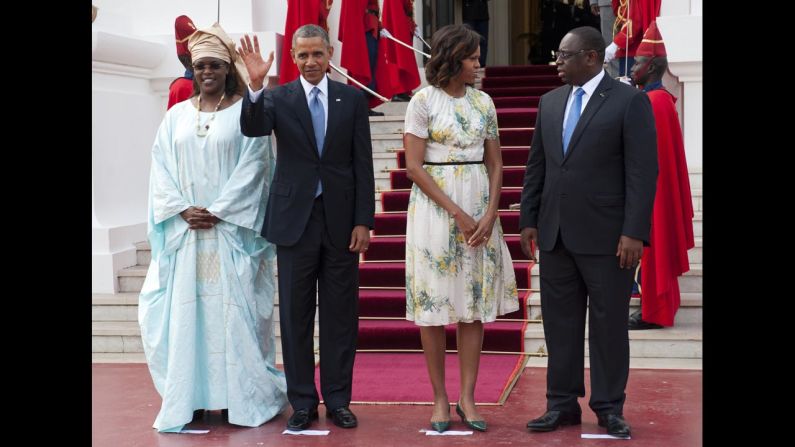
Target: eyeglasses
213,66
566,55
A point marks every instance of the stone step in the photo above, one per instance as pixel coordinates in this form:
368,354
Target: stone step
125,336
691,281
533,362
120,342
384,161
116,337
691,310
114,307
125,308
696,254
115,299
388,124
698,199
131,279
118,357
140,357
393,108
133,329
683,341
636,362
143,253
386,142
698,224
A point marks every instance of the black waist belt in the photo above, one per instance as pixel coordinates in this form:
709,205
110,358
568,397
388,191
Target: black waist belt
446,163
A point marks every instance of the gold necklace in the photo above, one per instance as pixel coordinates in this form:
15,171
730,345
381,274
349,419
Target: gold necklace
202,130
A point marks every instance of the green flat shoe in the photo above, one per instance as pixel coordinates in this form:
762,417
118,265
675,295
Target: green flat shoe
475,425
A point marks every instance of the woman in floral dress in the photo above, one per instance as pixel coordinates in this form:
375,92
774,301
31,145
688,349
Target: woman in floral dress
458,268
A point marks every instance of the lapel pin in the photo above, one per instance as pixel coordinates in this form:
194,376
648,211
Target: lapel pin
602,95
338,100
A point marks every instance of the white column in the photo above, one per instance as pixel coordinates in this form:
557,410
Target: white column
499,33
683,43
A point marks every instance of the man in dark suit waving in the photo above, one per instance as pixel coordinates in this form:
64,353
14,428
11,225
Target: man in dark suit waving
319,215
586,202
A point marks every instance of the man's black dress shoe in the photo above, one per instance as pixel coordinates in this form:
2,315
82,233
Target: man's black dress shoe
615,424
553,419
342,417
636,322
302,418
372,112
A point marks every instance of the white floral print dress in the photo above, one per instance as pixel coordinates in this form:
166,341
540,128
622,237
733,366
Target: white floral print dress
446,280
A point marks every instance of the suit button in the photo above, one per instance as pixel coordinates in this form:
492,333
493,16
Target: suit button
564,195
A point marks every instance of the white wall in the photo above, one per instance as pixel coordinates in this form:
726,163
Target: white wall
156,17
133,62
124,117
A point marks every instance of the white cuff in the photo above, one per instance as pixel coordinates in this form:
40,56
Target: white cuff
254,96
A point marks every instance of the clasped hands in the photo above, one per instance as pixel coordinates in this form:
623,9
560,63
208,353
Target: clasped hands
198,218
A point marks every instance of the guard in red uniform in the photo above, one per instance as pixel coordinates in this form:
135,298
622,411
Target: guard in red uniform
182,88
672,218
633,17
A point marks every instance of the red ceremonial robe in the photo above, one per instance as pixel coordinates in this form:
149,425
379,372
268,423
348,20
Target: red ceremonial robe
354,48
179,90
395,20
672,218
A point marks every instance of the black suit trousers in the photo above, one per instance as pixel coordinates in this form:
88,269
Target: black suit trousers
570,284
315,267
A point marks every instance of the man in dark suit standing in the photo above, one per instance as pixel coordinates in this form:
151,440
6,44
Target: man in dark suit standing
319,215
586,202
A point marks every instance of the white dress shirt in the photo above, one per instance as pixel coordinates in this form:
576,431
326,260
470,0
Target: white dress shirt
589,88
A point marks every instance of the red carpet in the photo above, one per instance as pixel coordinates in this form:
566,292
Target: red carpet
393,274
495,92
513,117
520,81
511,176
520,70
395,223
399,200
511,156
516,101
393,248
516,137
383,375
405,381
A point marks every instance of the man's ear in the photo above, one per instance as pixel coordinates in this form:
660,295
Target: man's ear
653,67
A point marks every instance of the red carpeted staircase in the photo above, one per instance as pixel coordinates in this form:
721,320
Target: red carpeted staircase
382,296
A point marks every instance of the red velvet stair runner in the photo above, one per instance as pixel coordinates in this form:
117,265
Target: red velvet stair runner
381,376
